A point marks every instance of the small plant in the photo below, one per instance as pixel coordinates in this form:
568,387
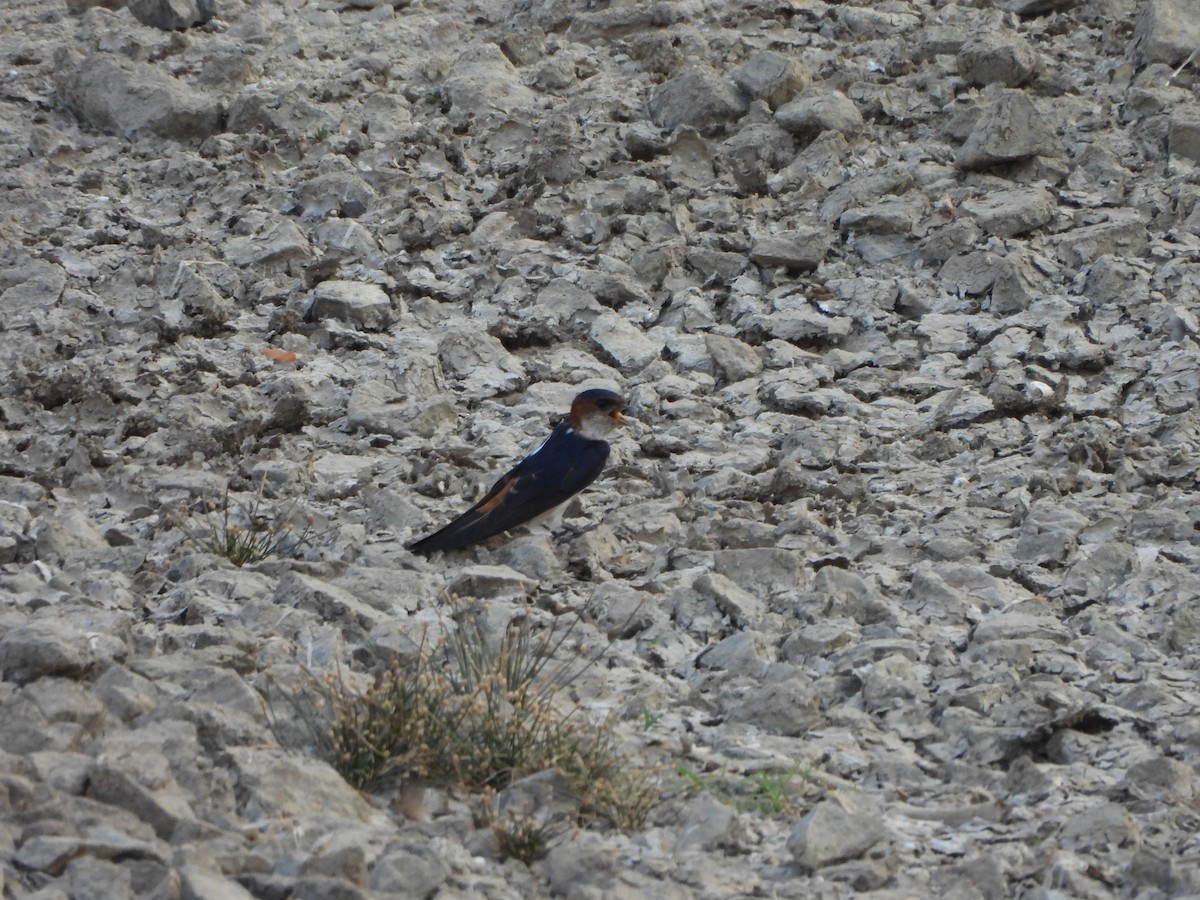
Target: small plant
649,719
765,792
248,535
386,74
520,837
321,135
480,713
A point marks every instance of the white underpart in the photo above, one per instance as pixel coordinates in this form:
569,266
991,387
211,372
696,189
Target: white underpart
596,427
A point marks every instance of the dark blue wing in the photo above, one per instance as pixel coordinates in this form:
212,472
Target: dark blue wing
558,470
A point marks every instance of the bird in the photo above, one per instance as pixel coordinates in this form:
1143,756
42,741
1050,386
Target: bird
566,462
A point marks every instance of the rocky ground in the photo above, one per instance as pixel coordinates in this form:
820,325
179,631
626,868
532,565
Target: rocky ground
903,294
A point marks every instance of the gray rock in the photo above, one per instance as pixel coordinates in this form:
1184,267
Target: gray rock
813,113
761,571
705,824
199,883
277,244
1009,129
771,76
267,779
1183,135
1012,213
622,612
743,608
1166,32
841,827
800,250
480,363
489,582
172,15
343,194
1123,233
90,878
734,359
364,305
133,98
895,215
1108,825
837,592
483,84
742,653
411,870
45,647
52,853
699,98
624,343
999,58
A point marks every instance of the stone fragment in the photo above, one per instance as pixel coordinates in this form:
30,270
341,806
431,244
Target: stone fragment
44,647
199,883
734,359
998,58
743,608
410,869
1012,213
480,363
1108,826
705,824
841,593
1123,233
742,653
891,215
277,244
127,97
490,582
267,780
328,601
755,153
482,84
364,305
628,347
699,98
53,853
814,113
342,194
770,76
801,250
840,827
1166,31
173,15
762,571
1010,129
1183,133
621,611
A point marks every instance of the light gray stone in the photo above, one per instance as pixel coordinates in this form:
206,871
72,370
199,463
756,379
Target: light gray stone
364,305
172,15
999,58
1009,129
1166,31
771,76
1014,212
841,827
799,250
133,98
699,98
813,113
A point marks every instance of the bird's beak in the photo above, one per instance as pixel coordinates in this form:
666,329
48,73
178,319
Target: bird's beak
616,416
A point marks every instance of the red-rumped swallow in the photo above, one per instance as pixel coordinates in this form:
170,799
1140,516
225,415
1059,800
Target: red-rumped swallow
566,462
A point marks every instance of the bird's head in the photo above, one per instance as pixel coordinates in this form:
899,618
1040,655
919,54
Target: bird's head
595,413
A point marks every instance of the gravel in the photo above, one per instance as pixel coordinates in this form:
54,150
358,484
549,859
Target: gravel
894,577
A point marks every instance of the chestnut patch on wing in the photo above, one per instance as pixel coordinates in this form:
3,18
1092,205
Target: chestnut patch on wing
488,505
